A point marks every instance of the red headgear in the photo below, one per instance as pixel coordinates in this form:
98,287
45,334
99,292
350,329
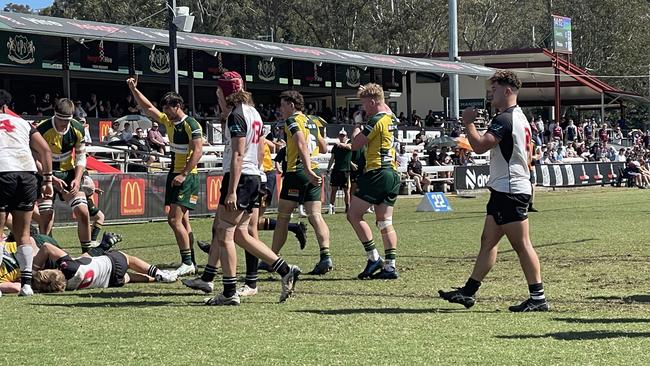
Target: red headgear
230,82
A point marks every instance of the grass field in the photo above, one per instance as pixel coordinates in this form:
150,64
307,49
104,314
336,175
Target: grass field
592,245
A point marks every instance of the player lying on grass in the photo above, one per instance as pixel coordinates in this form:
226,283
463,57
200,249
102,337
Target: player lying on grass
106,270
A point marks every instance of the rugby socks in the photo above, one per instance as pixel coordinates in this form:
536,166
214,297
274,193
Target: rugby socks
229,286
186,256
324,253
209,273
536,291
281,267
391,256
251,270
25,258
471,286
85,245
152,271
371,251
96,251
97,227
191,236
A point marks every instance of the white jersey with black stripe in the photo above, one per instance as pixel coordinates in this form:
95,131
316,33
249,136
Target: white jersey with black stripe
244,121
15,153
509,171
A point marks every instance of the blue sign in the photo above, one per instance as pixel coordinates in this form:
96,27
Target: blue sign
434,201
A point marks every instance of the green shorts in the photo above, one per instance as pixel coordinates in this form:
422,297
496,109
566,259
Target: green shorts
67,176
378,186
186,195
296,188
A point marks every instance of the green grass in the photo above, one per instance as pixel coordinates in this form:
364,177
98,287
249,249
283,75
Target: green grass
592,244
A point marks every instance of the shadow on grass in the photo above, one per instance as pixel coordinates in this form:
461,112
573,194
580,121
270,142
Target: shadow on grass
626,299
122,304
579,336
579,241
392,311
603,320
122,295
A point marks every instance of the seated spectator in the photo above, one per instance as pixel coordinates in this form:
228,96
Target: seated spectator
401,118
430,120
113,135
571,151
130,105
631,172
419,139
155,139
139,141
87,138
432,158
414,172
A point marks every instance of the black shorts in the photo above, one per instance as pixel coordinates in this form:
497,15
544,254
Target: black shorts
248,191
120,266
507,208
339,179
18,191
265,196
354,175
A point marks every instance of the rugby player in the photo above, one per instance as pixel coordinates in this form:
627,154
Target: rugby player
507,139
182,186
378,184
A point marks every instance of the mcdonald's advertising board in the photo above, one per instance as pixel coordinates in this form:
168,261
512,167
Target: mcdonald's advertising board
213,184
132,197
104,126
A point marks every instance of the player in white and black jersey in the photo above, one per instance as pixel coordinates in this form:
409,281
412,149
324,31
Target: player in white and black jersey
507,140
18,184
87,272
239,196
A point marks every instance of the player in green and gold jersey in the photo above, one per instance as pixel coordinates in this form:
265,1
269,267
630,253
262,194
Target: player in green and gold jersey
182,187
301,183
378,185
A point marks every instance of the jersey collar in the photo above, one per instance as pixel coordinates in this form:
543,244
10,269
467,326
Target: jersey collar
67,128
181,121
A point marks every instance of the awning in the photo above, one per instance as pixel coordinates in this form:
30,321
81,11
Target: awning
87,30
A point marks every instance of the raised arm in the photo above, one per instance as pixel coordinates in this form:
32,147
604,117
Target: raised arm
143,102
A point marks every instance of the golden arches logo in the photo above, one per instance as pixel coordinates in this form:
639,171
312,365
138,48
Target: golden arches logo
132,197
214,188
104,126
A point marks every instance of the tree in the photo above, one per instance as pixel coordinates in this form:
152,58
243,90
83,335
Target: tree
18,8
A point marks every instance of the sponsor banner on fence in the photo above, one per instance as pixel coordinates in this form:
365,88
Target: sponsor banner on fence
141,196
548,175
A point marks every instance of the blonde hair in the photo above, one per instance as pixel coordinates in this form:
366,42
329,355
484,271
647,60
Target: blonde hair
48,280
242,97
372,91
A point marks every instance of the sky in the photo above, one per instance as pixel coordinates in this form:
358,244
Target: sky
34,4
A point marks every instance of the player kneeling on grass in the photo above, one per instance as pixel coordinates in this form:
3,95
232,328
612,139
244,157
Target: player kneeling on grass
86,272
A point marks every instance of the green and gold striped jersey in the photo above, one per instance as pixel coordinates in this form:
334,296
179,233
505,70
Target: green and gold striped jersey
180,135
380,131
310,128
62,144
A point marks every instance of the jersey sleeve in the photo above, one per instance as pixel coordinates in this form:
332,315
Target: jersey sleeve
43,126
68,266
291,126
194,128
371,126
236,125
501,126
164,120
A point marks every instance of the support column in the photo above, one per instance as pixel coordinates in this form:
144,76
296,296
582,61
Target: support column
409,102
557,90
333,91
65,51
453,57
173,51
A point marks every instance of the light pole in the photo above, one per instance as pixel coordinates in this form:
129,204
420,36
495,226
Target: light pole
173,52
453,57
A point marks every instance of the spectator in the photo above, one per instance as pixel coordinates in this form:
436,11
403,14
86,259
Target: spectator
79,112
588,128
414,171
618,136
92,106
540,129
117,111
646,139
113,135
401,118
557,132
430,120
45,107
87,138
105,109
602,134
415,118
571,132
402,158
130,105
621,155
139,141
432,158
155,139
32,106
571,151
